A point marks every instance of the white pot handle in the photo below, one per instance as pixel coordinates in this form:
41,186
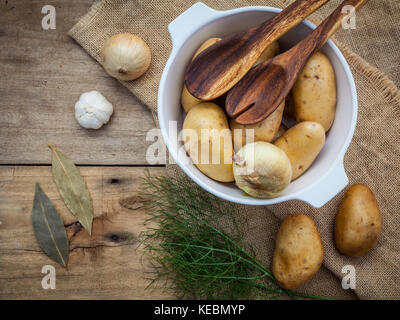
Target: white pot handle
325,190
194,17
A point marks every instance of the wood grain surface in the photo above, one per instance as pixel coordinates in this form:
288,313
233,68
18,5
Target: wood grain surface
42,74
108,265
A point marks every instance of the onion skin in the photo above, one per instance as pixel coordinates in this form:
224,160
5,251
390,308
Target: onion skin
262,170
125,56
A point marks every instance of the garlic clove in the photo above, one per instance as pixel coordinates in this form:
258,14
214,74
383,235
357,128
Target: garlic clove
80,109
89,122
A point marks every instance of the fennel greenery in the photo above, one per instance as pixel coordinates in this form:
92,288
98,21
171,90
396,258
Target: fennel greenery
191,250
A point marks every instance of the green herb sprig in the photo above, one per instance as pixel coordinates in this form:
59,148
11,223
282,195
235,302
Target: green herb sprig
191,251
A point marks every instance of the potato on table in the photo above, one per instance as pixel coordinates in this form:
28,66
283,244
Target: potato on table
358,222
298,251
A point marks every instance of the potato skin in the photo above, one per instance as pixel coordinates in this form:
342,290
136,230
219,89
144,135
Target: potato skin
314,93
298,251
205,45
282,129
263,131
187,100
208,115
358,222
302,144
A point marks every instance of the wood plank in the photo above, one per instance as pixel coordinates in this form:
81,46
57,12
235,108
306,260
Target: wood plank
108,265
43,73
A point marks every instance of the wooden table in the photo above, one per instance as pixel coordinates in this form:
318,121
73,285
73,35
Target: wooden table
42,74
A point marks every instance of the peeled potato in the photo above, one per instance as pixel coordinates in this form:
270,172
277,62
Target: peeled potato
298,251
358,222
212,152
188,101
263,131
314,93
302,144
271,51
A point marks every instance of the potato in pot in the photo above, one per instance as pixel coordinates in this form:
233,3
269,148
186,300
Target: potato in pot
302,144
358,222
282,129
298,251
208,141
271,51
263,131
314,93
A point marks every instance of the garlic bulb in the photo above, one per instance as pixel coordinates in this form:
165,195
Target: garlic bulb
126,56
92,110
262,170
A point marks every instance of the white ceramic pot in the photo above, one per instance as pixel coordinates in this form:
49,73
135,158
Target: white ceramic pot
326,177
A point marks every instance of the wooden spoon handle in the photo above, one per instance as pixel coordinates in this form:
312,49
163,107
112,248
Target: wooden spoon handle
326,29
218,68
290,17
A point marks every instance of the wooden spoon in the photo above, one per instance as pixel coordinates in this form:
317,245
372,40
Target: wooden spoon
218,68
265,86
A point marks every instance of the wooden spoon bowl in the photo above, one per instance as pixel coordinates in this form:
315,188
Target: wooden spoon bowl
266,86
218,68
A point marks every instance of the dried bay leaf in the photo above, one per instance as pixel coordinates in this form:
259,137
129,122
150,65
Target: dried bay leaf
49,228
73,189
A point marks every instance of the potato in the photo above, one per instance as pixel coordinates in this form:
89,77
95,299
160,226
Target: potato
302,144
187,100
263,131
205,45
271,51
358,222
298,251
212,154
281,131
314,92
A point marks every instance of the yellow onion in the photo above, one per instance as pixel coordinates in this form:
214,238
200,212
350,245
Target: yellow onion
126,56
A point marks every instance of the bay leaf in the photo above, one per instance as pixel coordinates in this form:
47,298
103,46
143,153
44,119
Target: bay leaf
73,189
49,228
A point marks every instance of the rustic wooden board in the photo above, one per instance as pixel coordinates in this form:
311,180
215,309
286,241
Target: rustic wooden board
43,73
109,265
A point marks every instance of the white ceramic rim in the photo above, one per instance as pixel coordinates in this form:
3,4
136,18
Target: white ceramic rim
255,201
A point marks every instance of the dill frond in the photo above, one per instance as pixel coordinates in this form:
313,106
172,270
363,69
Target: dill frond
196,245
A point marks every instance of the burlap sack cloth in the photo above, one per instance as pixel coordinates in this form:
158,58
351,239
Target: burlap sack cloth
372,159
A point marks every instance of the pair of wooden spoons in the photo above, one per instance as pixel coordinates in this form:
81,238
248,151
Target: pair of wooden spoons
258,92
